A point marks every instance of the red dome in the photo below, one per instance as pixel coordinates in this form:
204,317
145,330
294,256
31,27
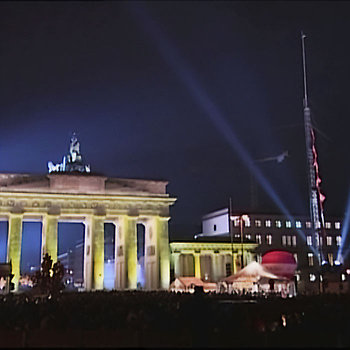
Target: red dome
280,263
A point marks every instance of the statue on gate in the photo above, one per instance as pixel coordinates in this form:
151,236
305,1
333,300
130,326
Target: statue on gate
72,161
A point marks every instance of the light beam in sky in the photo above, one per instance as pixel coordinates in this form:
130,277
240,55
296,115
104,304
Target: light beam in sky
173,58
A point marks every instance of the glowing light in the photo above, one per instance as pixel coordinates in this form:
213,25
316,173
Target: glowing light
345,228
337,262
324,262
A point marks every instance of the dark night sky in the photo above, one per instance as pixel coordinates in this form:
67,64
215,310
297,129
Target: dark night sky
138,82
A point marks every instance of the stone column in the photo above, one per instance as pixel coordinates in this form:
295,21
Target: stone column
97,224
49,237
14,246
176,262
234,263
129,231
197,265
163,251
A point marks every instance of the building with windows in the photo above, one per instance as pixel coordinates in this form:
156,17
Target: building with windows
277,232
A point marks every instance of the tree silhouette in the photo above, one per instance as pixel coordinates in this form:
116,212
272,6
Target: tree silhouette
49,278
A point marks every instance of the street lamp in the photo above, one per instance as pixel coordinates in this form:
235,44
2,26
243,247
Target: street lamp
241,218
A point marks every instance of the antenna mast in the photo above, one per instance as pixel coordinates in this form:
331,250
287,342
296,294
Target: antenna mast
316,197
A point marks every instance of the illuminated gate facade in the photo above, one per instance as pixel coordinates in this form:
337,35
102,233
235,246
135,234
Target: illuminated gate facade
92,200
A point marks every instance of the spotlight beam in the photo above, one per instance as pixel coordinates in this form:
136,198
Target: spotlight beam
344,231
173,58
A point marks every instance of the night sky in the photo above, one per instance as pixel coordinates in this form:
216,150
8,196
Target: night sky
167,90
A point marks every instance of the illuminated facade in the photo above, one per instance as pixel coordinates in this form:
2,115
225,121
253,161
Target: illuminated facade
92,200
271,232
210,261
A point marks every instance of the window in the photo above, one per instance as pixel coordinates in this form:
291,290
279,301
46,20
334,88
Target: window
338,239
329,240
258,258
310,258
289,240
247,222
337,225
308,224
328,225
294,241
312,277
288,224
309,240
298,277
214,227
258,223
278,223
237,235
317,239
258,239
248,237
236,221
298,224
284,242
330,259
268,239
268,223
318,224
343,277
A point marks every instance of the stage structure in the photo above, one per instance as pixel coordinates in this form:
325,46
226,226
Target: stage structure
82,197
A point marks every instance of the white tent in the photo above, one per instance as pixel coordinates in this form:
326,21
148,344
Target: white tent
254,277
253,272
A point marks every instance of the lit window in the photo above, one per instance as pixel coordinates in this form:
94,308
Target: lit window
309,240
330,259
288,224
236,221
329,240
298,277
258,223
298,224
247,222
278,223
343,277
310,258
318,224
308,224
248,237
269,239
289,240
214,227
317,240
284,240
338,239
295,257
328,225
268,223
321,278
337,225
258,239
294,241
312,277
259,258
237,235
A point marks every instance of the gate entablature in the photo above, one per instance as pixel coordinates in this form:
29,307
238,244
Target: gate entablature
92,200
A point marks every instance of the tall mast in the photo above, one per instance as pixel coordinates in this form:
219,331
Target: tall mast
314,180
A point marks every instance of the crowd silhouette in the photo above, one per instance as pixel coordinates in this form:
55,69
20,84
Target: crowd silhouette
161,318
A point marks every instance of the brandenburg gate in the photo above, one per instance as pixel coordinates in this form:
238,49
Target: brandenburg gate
92,200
